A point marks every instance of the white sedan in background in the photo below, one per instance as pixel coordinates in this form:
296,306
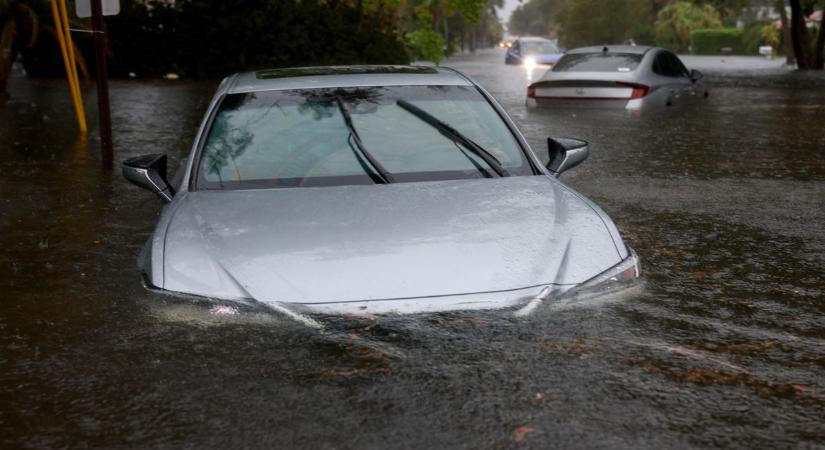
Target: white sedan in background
627,77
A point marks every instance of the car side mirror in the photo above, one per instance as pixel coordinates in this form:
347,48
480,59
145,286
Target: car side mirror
695,75
566,153
149,172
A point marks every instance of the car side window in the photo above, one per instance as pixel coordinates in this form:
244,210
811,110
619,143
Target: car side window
668,65
660,66
679,69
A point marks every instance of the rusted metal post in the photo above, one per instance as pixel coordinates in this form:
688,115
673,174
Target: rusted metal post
102,84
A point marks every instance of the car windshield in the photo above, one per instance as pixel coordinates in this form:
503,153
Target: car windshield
537,47
302,138
598,62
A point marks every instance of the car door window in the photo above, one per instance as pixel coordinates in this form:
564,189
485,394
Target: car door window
677,68
669,65
660,65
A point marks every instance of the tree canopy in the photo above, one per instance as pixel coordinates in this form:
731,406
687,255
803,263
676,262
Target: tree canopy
536,17
593,22
666,23
207,38
676,20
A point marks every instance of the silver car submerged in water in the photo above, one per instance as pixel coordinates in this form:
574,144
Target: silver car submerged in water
373,190
624,76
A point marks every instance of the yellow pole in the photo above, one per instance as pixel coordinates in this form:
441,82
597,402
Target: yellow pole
70,47
76,100
73,65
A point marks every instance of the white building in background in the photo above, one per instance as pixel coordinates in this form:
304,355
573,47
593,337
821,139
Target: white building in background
765,11
761,13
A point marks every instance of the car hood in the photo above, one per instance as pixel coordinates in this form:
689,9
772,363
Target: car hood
396,241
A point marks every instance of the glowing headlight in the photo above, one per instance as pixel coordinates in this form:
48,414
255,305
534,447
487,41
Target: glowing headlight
529,63
620,275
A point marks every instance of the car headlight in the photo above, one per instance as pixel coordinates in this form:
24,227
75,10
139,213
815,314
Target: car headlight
621,275
618,278
529,63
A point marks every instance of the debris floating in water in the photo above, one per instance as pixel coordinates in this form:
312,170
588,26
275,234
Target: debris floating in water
224,310
520,432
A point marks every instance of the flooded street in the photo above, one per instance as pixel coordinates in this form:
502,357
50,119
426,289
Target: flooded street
724,345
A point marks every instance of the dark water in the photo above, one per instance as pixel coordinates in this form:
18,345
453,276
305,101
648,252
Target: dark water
724,346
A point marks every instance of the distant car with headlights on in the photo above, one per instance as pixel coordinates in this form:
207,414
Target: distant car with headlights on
628,77
370,190
531,51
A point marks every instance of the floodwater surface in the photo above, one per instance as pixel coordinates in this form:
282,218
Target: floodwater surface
723,345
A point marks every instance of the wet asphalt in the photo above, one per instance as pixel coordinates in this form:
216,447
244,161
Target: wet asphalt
723,346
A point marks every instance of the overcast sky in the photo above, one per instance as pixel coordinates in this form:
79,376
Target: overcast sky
504,13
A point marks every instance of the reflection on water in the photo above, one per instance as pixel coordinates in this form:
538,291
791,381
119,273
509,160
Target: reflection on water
723,346
533,72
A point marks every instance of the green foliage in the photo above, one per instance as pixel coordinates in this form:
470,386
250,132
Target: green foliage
470,10
771,34
752,38
712,41
730,10
380,4
595,22
426,44
207,38
460,24
204,38
535,18
677,20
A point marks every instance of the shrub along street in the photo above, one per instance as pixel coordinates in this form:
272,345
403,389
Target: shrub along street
708,27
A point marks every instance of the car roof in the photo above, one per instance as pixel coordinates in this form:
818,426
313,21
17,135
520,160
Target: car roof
343,76
633,49
530,38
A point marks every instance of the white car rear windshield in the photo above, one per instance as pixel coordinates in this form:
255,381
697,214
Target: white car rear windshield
537,47
598,62
300,137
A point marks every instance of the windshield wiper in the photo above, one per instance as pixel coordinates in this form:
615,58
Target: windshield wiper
381,174
455,136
